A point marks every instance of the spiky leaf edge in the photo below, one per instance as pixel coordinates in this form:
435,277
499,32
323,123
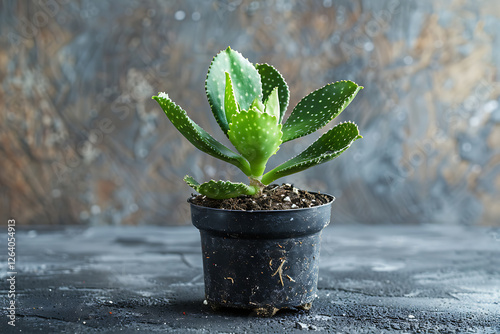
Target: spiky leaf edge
220,189
215,88
272,80
201,139
315,154
322,116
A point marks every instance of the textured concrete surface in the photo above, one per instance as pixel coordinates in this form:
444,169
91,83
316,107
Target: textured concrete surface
413,279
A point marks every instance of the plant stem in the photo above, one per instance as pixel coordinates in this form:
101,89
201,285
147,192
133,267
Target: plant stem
259,186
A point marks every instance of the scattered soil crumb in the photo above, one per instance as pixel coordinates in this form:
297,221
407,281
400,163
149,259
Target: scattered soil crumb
274,197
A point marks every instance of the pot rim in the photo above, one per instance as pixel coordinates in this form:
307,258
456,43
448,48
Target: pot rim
331,197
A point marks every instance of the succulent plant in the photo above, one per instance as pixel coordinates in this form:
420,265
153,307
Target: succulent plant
249,102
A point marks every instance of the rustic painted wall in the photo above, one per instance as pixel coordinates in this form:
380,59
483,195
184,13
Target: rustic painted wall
81,142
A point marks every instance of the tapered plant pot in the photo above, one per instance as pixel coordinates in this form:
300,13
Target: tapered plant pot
261,260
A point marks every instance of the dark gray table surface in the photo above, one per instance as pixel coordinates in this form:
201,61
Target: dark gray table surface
373,279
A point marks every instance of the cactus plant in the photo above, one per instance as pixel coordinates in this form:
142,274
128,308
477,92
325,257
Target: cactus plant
249,102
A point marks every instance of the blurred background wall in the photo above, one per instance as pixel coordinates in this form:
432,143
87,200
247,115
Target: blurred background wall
81,142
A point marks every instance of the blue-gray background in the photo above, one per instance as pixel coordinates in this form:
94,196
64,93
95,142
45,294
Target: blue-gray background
81,141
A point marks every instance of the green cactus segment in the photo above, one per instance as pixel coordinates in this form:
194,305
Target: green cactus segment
245,80
329,146
272,105
230,104
191,182
220,189
197,136
257,103
257,136
271,78
318,108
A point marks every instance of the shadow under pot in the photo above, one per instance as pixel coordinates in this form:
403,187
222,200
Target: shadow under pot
261,260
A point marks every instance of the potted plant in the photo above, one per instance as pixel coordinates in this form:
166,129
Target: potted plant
260,242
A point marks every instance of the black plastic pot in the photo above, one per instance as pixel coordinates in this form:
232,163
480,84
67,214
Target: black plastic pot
261,260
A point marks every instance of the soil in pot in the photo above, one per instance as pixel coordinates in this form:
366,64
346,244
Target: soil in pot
274,197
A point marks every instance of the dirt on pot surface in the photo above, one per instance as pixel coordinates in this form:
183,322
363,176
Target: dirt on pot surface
274,197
